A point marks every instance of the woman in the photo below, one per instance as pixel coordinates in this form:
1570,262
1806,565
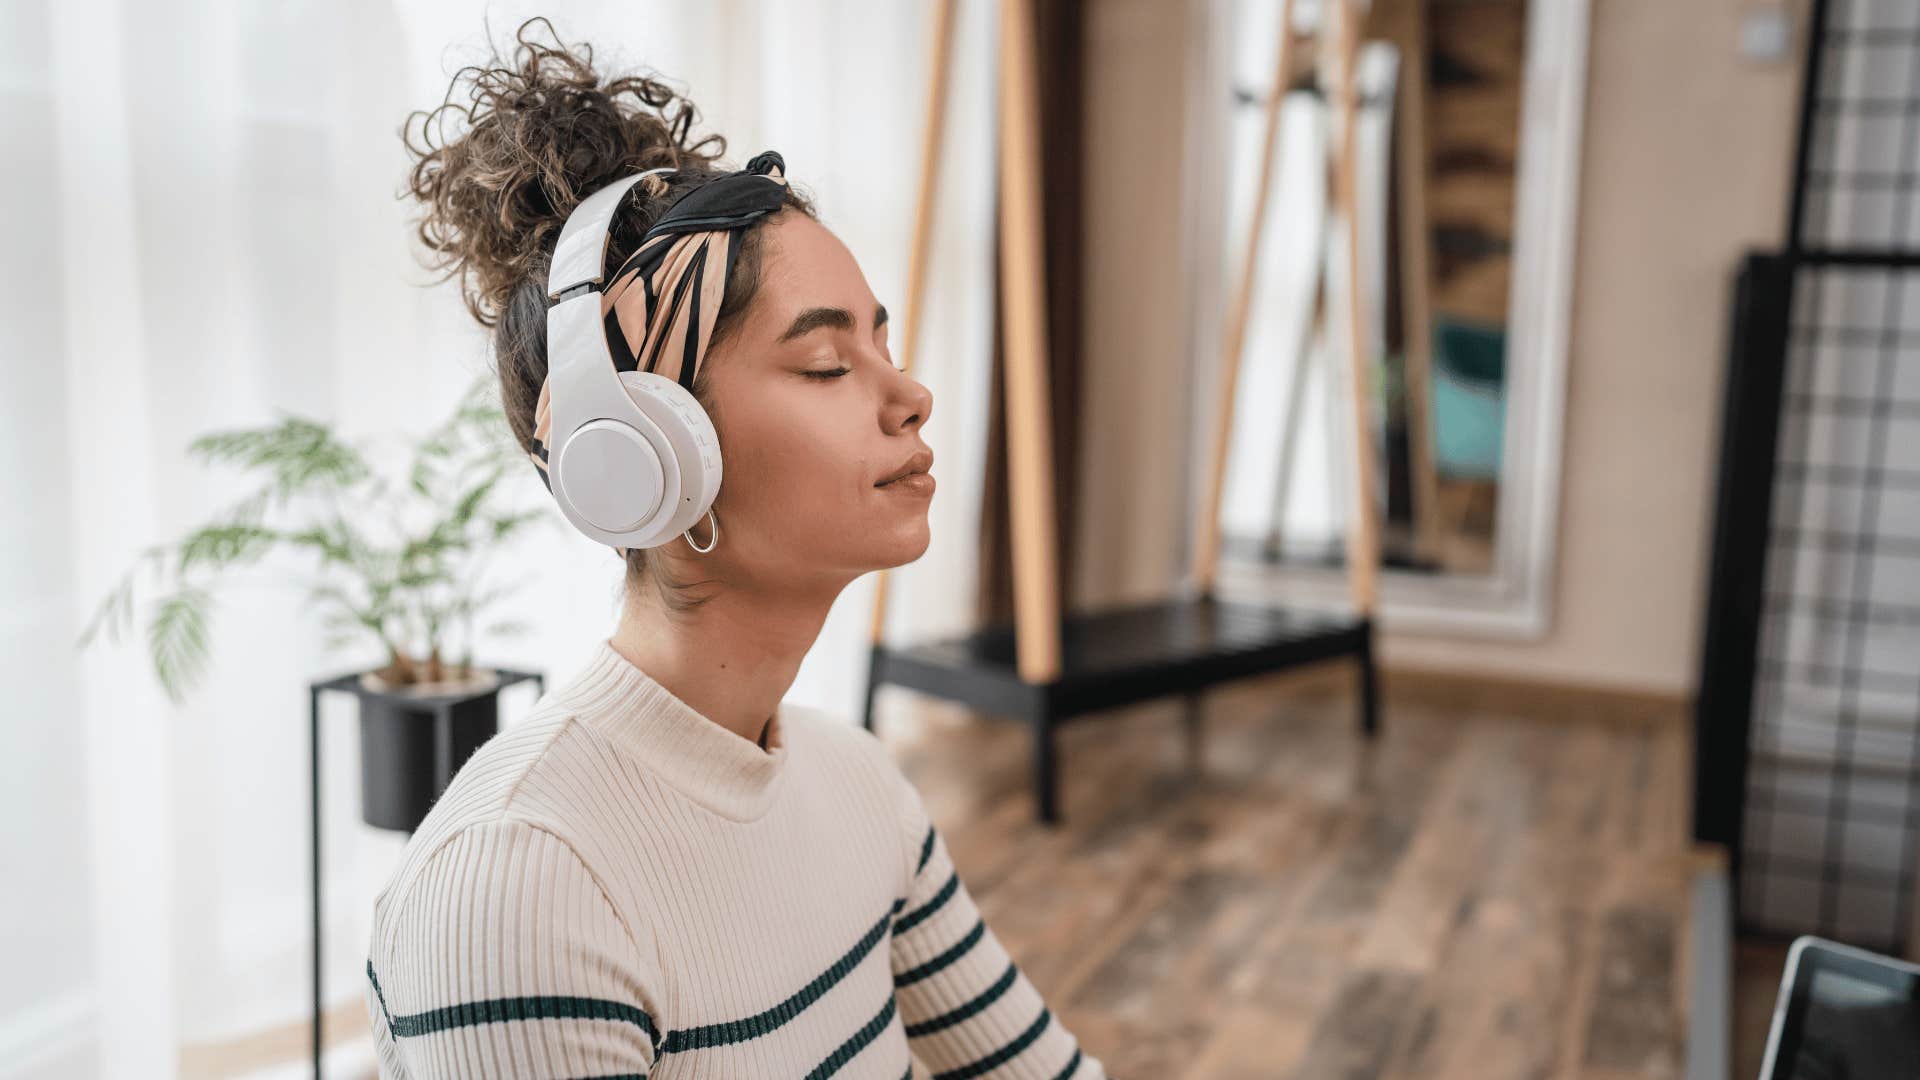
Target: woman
666,870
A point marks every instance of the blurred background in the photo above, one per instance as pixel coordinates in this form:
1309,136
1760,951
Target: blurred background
1548,365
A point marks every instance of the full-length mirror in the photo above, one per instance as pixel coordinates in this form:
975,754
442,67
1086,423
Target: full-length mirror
1463,172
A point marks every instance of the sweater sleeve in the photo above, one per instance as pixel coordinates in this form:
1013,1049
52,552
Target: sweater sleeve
503,956
968,1008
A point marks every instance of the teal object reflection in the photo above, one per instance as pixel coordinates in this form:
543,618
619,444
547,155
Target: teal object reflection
1469,397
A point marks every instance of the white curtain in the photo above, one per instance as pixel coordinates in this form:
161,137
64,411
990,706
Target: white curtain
203,230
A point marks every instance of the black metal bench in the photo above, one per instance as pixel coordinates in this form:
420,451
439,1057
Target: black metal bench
1121,656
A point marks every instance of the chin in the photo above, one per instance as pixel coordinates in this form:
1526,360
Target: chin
908,546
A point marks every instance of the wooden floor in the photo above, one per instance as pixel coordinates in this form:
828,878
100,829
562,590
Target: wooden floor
1494,889
1757,967
1487,892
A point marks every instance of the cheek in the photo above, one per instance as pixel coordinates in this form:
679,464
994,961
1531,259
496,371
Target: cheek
792,458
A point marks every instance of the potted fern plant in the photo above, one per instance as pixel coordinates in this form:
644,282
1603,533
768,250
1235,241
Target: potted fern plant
401,567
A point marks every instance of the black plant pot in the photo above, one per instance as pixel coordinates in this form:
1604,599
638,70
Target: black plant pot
411,744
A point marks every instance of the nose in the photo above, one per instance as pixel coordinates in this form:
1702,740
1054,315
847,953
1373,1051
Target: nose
908,402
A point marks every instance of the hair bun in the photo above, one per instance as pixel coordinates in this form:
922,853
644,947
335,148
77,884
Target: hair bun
541,132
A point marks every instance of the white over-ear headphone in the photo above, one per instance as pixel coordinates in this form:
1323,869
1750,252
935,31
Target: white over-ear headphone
634,459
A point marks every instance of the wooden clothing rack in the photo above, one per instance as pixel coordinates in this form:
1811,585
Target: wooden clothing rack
1043,669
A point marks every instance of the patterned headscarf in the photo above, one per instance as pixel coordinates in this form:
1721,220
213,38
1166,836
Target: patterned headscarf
684,260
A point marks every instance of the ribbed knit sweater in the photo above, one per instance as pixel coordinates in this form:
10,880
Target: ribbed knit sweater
618,886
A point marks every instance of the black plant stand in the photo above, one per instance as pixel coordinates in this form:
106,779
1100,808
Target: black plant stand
442,706
1121,656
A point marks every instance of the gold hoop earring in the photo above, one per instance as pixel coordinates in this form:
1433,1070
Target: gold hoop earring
713,533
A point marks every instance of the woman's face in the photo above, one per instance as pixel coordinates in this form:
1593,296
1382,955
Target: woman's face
812,414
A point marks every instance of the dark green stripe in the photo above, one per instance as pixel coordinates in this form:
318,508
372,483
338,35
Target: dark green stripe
924,911
376,993
856,1043
752,1027
1001,1056
908,1075
1073,1064
932,966
926,852
502,1010
978,1005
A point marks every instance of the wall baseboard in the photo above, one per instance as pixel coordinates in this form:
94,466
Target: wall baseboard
1473,692
1527,697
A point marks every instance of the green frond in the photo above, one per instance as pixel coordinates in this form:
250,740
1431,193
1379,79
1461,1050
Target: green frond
177,638
298,453
508,524
111,615
469,504
226,545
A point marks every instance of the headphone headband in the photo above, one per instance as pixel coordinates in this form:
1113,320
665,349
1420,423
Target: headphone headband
580,255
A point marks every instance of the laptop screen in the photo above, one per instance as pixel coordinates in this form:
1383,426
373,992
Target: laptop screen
1851,1027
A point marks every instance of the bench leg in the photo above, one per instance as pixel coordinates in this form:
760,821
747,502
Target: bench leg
873,683
1046,767
1369,691
1193,719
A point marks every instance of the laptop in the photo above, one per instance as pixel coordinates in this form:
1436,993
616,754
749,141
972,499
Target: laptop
1844,1014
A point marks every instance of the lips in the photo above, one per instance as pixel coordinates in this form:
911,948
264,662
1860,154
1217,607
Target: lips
916,484
917,464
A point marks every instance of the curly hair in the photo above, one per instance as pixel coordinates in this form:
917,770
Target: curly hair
540,131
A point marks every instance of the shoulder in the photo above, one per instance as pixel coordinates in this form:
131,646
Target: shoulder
491,859
485,785
483,813
504,915
506,880
504,857
492,856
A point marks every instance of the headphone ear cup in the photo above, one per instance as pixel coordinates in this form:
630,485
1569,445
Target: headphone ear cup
609,476
694,442
635,383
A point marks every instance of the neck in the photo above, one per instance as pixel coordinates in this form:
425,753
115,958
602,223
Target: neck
732,658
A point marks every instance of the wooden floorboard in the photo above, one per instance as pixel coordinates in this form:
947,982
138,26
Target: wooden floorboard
1488,891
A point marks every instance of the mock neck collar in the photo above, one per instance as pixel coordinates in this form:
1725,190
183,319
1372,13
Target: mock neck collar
722,771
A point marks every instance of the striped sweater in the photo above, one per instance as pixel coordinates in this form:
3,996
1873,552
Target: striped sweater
619,887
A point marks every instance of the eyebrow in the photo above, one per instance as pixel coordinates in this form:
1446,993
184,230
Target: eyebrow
839,318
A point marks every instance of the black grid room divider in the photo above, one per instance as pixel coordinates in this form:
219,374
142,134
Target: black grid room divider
1807,755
